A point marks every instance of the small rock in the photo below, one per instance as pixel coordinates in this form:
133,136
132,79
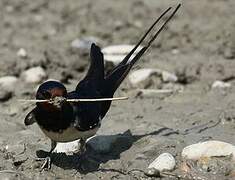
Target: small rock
84,44
185,167
152,172
169,77
175,51
163,162
102,144
152,92
142,75
5,95
111,143
22,53
229,53
120,49
113,60
9,8
220,84
208,149
67,147
15,149
38,18
116,53
34,75
8,82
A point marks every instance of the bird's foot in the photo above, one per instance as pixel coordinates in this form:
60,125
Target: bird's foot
82,148
46,164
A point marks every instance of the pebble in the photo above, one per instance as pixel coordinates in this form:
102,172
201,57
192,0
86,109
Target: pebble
22,53
7,85
116,53
34,75
16,149
229,53
5,95
152,172
142,75
208,149
120,49
169,77
102,144
8,82
152,92
220,84
113,60
163,162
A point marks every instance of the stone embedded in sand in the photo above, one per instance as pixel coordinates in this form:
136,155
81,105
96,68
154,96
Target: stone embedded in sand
169,77
208,149
22,53
34,75
116,53
7,85
5,95
8,82
152,172
152,92
163,162
102,144
221,84
67,147
120,49
142,75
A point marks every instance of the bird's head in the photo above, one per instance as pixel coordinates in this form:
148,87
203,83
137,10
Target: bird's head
53,91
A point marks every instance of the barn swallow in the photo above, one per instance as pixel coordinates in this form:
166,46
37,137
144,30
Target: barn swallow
64,121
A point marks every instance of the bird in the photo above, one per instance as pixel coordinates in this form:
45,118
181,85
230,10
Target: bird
64,121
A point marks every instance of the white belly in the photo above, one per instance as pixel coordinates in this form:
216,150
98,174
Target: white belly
69,134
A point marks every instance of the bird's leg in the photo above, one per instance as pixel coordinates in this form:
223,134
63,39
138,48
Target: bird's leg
47,160
82,145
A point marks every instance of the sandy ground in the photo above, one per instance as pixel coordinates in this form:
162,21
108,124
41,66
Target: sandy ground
202,34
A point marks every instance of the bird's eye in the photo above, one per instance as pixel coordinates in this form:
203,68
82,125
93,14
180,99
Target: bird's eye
46,94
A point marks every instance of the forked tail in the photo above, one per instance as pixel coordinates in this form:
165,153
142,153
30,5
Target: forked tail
115,77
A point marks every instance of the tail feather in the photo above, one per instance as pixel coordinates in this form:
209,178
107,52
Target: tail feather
96,70
113,80
118,74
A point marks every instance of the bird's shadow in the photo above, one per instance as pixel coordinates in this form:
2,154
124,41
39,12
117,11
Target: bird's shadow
90,161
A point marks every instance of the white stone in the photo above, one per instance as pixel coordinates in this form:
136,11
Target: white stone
34,75
22,53
8,82
141,75
169,77
116,53
120,49
221,84
67,147
163,162
113,59
208,149
151,92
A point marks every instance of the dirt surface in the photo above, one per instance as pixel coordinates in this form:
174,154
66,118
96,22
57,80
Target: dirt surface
198,45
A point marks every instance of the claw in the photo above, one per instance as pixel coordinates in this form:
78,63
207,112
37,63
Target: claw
46,164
